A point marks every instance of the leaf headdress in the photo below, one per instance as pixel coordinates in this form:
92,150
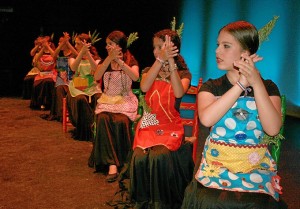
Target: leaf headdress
131,38
173,27
266,30
94,37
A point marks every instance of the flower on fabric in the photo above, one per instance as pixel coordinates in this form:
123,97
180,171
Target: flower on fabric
254,158
217,163
159,132
211,171
275,184
265,165
214,152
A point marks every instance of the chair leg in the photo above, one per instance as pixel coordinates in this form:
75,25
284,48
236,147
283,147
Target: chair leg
64,121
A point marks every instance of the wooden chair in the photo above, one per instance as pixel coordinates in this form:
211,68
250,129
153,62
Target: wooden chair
189,115
65,120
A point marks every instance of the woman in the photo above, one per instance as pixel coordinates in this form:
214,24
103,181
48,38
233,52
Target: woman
84,90
29,78
236,170
117,107
161,164
61,55
44,81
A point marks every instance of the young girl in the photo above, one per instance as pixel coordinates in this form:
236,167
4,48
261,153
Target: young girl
61,55
161,164
236,170
84,90
44,81
116,108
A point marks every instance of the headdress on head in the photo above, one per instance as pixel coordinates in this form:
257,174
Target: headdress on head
173,27
93,36
74,35
131,38
266,30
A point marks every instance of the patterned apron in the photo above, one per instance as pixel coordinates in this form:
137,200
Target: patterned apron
162,125
233,158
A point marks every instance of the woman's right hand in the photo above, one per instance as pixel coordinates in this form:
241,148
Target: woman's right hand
114,52
85,47
168,49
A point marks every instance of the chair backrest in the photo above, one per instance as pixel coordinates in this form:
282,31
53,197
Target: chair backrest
189,115
276,148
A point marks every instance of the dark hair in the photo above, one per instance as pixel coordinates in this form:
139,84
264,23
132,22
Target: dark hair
177,42
173,34
94,53
245,33
84,36
119,38
49,40
93,50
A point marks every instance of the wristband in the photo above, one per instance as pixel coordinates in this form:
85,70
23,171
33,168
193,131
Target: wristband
241,86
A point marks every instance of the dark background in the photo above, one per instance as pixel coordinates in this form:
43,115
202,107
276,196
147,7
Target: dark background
22,21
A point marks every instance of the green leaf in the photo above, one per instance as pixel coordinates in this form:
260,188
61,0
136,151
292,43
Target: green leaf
94,37
179,31
131,38
265,31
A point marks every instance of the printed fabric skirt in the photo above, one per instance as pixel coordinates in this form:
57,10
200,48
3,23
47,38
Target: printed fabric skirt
112,142
198,196
81,112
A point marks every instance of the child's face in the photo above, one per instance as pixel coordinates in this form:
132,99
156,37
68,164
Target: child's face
228,50
78,44
157,45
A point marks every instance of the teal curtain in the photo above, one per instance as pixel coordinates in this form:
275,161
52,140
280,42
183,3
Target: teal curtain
281,52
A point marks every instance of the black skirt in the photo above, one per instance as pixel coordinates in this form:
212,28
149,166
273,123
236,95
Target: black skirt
27,86
112,142
59,93
159,176
81,112
42,93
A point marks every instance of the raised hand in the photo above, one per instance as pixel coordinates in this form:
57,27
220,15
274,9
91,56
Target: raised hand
85,47
249,73
114,52
168,49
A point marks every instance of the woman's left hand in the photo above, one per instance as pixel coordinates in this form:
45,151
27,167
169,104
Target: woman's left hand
85,47
247,68
168,50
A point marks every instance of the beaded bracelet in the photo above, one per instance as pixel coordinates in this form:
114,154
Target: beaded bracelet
175,68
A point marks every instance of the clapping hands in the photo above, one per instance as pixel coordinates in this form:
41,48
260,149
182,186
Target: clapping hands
114,52
249,74
85,47
168,50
